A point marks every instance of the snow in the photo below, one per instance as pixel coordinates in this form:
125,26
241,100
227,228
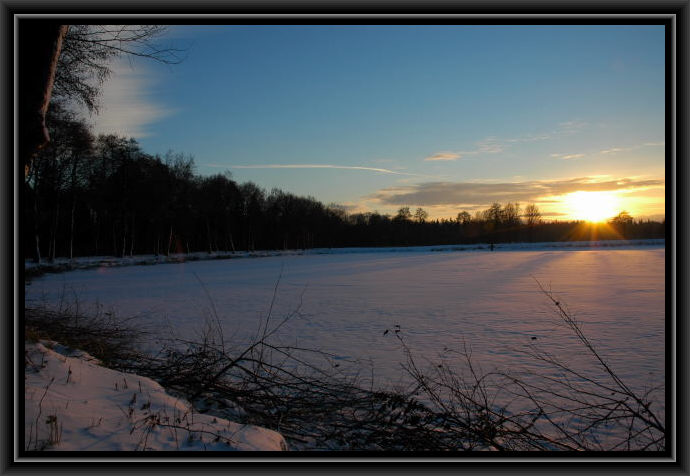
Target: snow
440,297
74,404
61,264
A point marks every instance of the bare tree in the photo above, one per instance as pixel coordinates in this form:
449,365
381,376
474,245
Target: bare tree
532,215
623,218
421,215
464,217
622,223
533,218
72,62
404,214
511,214
89,50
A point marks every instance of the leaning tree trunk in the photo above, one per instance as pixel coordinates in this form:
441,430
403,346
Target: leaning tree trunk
39,49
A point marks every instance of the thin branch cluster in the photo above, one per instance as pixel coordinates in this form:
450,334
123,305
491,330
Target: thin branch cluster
89,50
562,407
308,396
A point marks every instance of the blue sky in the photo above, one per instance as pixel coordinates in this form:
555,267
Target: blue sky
448,118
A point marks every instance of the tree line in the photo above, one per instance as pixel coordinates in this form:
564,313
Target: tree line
87,195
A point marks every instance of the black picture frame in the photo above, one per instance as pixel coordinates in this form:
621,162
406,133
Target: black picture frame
673,14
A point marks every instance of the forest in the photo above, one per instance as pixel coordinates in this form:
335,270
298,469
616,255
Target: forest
87,195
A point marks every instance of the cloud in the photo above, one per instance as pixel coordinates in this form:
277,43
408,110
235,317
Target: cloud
443,156
126,107
571,127
490,145
312,166
478,193
530,138
567,156
494,145
614,150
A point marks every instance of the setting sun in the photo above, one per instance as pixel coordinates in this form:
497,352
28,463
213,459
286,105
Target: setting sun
592,206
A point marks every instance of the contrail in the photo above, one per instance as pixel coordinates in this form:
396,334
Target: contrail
313,166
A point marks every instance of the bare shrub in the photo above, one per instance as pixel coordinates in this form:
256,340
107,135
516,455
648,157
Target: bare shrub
559,408
111,339
318,402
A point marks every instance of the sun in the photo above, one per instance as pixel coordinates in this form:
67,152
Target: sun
592,206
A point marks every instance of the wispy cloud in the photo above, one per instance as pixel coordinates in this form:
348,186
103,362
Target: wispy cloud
312,166
567,156
563,128
614,150
529,138
571,127
495,145
490,145
443,156
464,193
126,106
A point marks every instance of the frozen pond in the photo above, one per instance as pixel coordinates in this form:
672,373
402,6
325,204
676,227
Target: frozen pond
440,299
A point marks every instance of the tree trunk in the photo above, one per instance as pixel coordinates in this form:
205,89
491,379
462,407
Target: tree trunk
73,185
54,230
131,240
71,229
97,235
169,242
208,235
37,250
124,242
39,44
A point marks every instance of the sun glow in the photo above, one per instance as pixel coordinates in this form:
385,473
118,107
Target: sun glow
592,206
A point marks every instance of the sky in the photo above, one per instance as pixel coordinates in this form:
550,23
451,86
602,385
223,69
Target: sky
443,117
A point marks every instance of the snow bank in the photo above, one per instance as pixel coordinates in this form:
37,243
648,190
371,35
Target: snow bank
65,264
72,403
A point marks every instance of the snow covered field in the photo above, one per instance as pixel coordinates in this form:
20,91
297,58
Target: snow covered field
439,298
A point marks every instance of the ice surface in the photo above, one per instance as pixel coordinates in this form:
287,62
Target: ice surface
440,299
